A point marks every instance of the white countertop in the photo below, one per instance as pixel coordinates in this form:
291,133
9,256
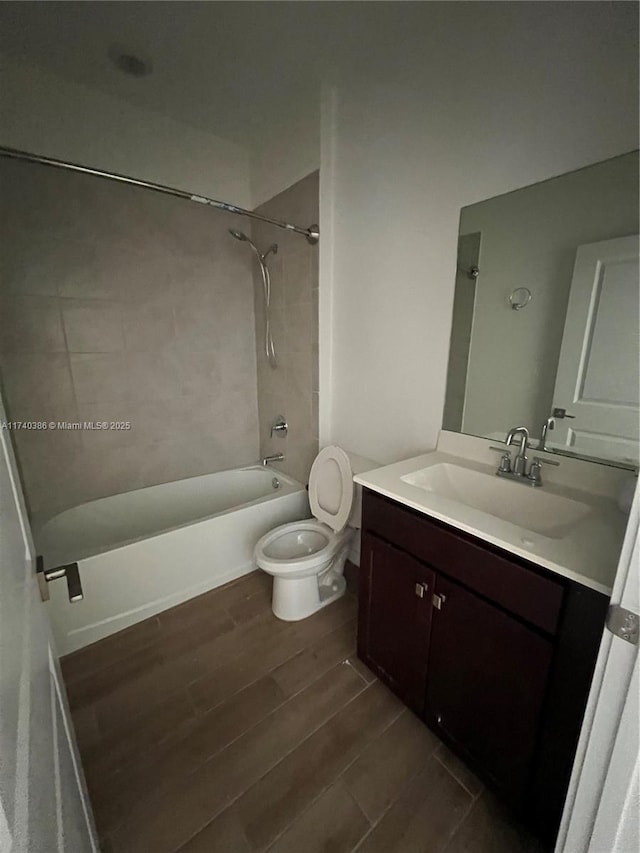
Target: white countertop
588,553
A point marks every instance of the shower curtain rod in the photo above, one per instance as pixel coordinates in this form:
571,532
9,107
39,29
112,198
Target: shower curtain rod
311,233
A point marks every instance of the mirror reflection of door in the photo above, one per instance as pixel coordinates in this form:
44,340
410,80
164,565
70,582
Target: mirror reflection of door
598,382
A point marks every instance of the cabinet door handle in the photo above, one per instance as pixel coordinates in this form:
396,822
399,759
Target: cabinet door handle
422,589
438,601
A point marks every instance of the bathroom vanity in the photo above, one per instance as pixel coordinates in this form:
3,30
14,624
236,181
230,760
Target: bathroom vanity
486,629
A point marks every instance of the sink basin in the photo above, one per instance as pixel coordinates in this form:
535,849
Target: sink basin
532,509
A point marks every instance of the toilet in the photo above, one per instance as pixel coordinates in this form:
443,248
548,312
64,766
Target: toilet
306,558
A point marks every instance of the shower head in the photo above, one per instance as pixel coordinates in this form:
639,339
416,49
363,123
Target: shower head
240,235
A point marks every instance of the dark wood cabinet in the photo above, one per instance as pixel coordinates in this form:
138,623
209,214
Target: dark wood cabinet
487,678
494,653
395,618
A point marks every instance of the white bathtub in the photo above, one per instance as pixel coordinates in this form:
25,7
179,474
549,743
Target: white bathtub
144,551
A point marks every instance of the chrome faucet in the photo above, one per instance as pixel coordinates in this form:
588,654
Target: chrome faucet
548,425
519,472
520,462
277,457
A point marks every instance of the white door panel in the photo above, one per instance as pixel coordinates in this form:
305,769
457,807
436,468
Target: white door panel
43,802
73,818
601,811
598,377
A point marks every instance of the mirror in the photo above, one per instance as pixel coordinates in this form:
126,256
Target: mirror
545,315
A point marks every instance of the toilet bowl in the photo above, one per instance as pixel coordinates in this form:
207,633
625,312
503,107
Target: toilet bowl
306,558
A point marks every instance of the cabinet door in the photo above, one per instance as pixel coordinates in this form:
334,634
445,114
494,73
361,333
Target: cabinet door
395,618
487,679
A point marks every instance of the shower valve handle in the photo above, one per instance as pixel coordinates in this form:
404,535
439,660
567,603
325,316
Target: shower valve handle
279,426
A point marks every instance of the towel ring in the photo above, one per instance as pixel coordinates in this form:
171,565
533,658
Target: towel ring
520,297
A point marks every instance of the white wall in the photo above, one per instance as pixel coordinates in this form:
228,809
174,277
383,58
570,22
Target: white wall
284,154
45,114
511,94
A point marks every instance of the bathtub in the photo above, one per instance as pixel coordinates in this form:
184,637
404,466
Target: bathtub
144,551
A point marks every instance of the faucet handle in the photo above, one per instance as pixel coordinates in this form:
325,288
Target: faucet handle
505,462
538,461
534,474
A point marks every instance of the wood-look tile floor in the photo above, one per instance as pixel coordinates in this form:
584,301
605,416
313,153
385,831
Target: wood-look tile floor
216,728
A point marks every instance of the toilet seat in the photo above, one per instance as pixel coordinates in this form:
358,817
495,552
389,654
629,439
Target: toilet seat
331,488
304,544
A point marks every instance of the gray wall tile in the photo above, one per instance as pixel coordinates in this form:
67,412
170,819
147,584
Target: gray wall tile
149,325
120,304
35,383
92,325
30,323
290,389
99,377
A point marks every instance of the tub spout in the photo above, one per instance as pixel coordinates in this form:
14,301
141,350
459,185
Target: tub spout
277,457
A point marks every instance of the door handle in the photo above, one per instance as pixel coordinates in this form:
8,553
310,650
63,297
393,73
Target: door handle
562,413
422,589
438,601
70,572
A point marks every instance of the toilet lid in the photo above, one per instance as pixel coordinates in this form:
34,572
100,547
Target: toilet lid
331,488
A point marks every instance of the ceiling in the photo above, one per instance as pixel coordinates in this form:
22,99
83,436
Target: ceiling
225,67
233,68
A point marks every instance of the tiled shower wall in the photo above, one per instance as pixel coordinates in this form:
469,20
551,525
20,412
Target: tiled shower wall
291,389
121,304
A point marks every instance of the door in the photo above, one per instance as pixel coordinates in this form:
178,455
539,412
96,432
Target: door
601,810
597,383
43,802
487,679
395,618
